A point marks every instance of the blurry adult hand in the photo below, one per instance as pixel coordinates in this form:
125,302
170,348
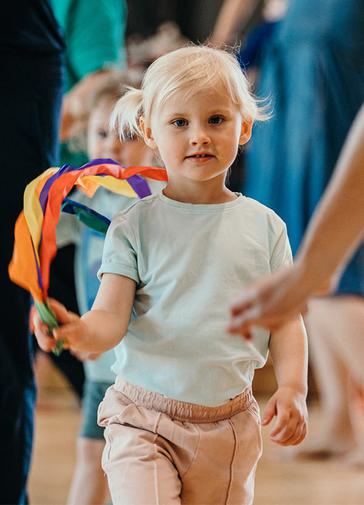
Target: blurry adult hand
273,300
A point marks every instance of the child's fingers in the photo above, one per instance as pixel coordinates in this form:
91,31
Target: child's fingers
301,435
269,412
287,433
295,438
62,314
46,342
293,433
282,421
70,333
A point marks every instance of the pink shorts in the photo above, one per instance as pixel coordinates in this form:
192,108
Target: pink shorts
167,452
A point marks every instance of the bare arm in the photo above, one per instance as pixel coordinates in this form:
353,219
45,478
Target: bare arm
288,348
109,317
338,224
100,329
232,15
334,232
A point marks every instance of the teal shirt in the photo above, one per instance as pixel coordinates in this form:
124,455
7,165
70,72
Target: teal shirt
94,36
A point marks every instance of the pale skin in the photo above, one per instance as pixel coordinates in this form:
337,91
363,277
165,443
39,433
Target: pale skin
234,14
271,301
197,139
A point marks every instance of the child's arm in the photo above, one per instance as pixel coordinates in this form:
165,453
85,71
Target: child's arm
99,329
288,348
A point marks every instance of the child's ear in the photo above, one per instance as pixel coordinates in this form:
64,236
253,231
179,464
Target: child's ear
147,133
246,131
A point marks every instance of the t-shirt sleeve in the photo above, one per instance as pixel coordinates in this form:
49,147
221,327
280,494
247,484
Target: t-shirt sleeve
281,252
119,255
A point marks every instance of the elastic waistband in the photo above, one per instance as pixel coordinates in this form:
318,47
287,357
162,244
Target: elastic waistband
184,411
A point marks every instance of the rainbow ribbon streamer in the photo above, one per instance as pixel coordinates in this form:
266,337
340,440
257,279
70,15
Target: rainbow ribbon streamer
44,198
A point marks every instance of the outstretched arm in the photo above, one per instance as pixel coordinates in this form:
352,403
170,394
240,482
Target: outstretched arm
338,224
334,232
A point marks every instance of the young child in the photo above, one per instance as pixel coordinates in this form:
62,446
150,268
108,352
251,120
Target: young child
89,485
182,426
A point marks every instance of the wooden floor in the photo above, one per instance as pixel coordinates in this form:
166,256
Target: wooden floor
278,482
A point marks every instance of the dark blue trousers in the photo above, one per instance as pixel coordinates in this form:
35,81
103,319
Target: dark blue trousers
30,100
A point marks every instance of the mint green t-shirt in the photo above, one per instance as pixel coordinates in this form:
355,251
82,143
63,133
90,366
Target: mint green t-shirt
189,261
89,246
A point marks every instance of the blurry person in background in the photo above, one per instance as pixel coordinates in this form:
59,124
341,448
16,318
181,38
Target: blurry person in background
313,73
94,37
248,27
236,19
31,48
319,262
89,485
321,257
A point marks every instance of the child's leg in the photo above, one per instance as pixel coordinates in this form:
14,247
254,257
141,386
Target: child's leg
139,467
89,484
223,468
166,452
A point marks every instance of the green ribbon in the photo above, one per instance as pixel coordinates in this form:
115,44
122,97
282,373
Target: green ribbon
48,317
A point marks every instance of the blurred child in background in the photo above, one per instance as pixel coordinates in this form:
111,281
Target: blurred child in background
89,485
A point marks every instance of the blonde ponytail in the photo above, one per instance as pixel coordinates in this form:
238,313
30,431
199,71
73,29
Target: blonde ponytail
126,113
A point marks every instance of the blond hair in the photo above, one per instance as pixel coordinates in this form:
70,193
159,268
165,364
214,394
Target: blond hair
189,69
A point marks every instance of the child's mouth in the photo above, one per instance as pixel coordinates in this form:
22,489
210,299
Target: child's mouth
202,156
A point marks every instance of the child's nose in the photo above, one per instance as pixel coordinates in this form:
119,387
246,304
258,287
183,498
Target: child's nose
199,137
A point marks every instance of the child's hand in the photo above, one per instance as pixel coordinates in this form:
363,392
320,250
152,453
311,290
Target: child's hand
289,405
73,332
85,355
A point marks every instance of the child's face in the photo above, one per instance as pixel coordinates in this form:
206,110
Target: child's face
198,137
104,143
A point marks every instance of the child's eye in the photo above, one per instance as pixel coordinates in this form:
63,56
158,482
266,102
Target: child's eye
129,137
102,134
216,119
180,122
